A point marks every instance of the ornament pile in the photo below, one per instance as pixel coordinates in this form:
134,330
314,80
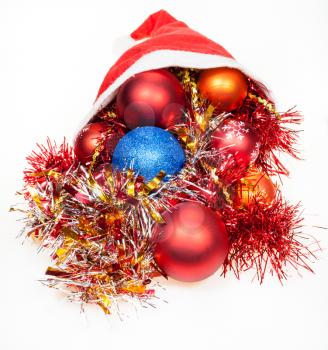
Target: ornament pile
173,175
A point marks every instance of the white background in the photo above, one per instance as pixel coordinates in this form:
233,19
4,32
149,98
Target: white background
53,57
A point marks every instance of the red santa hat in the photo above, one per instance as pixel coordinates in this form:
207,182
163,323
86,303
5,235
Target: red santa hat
168,43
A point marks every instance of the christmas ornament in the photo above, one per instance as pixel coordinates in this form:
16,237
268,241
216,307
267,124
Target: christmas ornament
256,186
151,98
225,87
237,140
110,143
92,136
192,244
148,150
107,214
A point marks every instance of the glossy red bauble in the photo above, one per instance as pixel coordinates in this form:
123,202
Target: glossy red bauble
192,244
153,98
102,173
93,135
236,139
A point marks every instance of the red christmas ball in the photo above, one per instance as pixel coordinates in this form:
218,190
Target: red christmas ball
93,135
192,244
236,139
151,98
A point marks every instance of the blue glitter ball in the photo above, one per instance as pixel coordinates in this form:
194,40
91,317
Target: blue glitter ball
148,150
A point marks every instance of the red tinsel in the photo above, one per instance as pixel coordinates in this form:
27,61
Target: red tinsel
97,222
266,237
272,127
48,159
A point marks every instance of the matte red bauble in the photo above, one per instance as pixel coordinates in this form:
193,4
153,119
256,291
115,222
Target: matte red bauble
192,244
90,137
154,98
226,88
237,139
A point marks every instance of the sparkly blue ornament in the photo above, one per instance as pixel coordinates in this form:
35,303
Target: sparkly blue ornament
148,150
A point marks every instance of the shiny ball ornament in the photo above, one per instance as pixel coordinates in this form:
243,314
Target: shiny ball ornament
255,186
88,139
236,139
226,88
148,150
192,244
152,98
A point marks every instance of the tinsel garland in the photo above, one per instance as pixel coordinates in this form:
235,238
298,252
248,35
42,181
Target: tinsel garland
98,234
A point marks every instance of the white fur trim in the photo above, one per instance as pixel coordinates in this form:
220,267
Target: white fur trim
162,59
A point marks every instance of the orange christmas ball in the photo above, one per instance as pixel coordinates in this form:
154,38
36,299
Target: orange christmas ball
226,88
256,185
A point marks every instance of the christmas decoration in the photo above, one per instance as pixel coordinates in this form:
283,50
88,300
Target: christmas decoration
225,87
95,136
192,244
102,173
255,186
189,189
148,150
238,140
151,98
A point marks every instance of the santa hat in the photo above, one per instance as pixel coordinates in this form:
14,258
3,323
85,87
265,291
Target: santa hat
168,43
